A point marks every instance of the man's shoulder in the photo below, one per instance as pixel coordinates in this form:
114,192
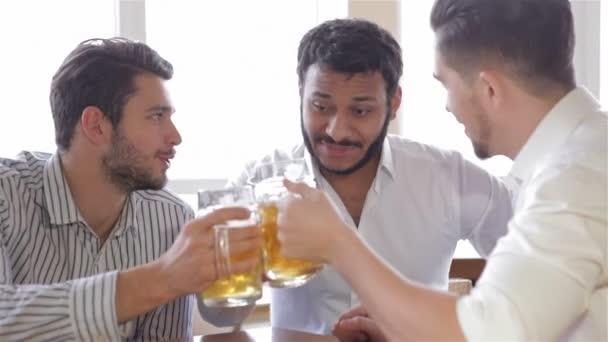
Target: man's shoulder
586,148
26,166
163,196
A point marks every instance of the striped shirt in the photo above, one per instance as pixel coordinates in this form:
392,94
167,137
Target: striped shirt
57,279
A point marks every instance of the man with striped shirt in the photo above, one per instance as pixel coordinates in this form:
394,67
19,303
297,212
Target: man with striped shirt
91,245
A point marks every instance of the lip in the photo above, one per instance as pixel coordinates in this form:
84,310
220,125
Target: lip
334,150
166,160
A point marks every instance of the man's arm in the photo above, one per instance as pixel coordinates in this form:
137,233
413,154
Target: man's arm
94,307
403,310
556,242
483,206
81,309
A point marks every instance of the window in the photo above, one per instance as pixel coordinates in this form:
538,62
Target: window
604,54
36,39
235,86
423,113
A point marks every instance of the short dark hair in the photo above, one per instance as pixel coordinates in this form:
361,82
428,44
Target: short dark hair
533,38
351,46
100,73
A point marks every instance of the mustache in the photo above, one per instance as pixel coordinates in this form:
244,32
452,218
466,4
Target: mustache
326,139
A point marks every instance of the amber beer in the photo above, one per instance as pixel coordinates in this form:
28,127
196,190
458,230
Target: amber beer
237,289
279,270
232,290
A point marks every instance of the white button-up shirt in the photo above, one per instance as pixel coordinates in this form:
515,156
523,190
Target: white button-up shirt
548,278
422,202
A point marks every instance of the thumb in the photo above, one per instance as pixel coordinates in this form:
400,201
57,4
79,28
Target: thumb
370,328
298,188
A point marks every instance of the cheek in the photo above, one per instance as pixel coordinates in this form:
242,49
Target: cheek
312,122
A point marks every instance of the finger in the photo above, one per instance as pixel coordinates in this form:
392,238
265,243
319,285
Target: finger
354,312
246,246
298,188
347,333
245,233
245,265
219,216
367,326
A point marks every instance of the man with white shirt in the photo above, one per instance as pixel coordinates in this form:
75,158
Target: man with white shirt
507,68
92,247
410,202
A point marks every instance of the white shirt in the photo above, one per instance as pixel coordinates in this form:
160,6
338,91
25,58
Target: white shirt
57,281
422,201
548,278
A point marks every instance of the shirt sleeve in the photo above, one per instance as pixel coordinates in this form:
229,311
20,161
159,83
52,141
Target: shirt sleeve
543,275
83,309
484,208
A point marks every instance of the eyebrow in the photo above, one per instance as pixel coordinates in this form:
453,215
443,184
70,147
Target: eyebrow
161,109
364,99
321,95
356,98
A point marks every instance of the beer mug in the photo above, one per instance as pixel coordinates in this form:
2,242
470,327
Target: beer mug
231,290
267,179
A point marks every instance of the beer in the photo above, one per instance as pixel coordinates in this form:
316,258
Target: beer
279,270
237,289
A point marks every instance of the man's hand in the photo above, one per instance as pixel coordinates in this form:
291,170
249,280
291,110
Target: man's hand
188,266
309,224
356,326
190,263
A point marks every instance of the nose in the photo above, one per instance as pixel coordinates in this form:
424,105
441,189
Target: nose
338,127
173,136
447,109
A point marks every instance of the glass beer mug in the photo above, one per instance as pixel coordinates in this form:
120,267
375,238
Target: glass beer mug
267,179
238,289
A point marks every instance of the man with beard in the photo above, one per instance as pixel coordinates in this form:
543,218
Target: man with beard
410,202
91,246
507,67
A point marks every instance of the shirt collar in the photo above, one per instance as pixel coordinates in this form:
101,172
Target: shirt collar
128,217
59,202
61,206
386,162
553,131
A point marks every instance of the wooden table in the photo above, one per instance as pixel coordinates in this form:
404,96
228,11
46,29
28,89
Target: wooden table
266,335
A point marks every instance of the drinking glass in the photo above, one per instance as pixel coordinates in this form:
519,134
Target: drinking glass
267,179
239,289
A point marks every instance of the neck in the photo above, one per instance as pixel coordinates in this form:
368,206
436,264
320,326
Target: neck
525,116
90,187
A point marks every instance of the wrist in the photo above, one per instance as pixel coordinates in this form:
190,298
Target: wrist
140,290
160,282
342,240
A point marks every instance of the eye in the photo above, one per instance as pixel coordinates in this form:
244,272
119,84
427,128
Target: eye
361,111
318,106
156,117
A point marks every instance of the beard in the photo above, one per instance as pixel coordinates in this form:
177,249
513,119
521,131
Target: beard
124,166
480,146
372,151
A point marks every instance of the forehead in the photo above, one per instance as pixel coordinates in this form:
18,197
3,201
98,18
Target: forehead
336,84
150,89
